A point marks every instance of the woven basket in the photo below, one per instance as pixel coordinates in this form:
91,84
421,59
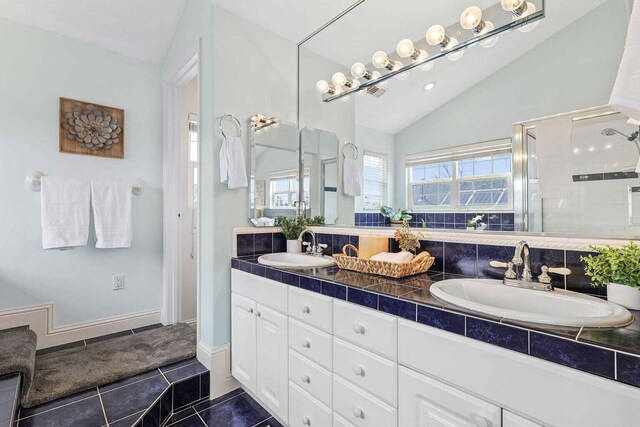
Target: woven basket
420,264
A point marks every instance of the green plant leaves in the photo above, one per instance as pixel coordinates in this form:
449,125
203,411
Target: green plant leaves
614,265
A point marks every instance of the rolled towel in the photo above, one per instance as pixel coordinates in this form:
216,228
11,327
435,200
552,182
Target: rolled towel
398,257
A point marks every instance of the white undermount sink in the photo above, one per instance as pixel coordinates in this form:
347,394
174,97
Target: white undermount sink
295,261
559,307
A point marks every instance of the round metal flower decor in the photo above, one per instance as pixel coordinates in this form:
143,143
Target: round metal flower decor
92,127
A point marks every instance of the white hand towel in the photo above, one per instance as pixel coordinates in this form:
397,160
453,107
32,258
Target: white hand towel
233,170
625,96
351,177
398,257
65,212
112,214
554,154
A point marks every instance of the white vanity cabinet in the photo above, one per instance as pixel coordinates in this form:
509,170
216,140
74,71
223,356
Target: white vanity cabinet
259,336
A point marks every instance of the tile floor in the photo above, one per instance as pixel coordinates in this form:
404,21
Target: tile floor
234,409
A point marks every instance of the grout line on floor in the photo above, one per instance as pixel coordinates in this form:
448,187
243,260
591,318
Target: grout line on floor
126,385
104,412
224,401
260,422
131,415
57,407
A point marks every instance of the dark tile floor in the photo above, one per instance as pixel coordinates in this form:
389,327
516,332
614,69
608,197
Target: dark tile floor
234,409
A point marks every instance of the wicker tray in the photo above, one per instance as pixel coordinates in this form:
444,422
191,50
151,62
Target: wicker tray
420,264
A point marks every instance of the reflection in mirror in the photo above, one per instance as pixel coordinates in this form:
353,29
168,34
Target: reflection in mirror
581,174
320,165
274,172
411,134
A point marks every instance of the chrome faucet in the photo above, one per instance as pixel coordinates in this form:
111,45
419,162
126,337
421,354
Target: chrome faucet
523,247
311,247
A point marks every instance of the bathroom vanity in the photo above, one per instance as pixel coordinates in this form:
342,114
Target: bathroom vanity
317,350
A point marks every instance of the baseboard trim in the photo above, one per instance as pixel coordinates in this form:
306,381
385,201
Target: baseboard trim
218,361
191,322
39,318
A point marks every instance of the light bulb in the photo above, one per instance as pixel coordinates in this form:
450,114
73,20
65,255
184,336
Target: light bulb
453,42
358,70
531,8
339,79
490,42
471,18
405,48
380,59
337,90
424,55
435,35
511,5
355,83
322,86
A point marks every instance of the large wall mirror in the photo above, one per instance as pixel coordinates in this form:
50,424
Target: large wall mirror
461,136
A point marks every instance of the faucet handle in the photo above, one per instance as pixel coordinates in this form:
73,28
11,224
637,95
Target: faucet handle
320,247
544,276
510,273
309,246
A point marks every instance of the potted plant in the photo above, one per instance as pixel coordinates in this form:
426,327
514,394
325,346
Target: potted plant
395,216
619,270
476,223
291,228
407,240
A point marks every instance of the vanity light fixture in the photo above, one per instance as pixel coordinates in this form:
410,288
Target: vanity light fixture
436,35
524,16
262,123
471,19
520,9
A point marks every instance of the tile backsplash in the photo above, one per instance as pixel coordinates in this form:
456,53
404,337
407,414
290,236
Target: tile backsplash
469,259
452,221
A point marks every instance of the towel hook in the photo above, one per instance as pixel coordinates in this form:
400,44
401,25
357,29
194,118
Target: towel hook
232,117
352,145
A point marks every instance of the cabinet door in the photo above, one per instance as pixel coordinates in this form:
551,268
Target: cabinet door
510,419
243,340
272,374
425,402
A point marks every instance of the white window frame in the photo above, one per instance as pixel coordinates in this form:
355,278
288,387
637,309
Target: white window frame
287,174
384,183
483,149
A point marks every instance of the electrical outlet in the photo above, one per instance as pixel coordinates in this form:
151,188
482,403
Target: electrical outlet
118,282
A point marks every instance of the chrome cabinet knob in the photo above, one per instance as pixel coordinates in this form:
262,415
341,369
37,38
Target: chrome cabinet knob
359,371
306,379
480,421
306,344
306,421
358,413
250,310
358,329
258,314
306,309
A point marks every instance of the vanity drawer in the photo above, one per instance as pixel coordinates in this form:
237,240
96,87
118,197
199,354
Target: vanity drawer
265,291
311,308
373,373
311,343
367,328
305,410
360,408
310,377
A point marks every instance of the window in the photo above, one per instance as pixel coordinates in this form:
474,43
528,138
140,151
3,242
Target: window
284,189
475,176
374,194
193,160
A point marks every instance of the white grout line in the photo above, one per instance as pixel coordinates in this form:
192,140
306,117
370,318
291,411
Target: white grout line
130,415
126,385
201,419
224,401
104,412
58,407
266,419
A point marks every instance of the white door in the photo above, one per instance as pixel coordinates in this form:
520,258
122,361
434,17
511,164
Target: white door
425,402
243,340
510,419
272,371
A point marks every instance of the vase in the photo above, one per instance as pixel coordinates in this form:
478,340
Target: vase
470,228
294,246
626,296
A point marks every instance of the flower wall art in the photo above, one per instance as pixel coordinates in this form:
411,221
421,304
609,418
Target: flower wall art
91,129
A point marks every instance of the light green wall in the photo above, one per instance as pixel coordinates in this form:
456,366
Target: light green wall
572,70
37,67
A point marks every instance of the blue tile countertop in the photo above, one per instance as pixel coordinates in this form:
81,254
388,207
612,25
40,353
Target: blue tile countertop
613,353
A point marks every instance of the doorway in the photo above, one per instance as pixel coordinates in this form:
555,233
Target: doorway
188,193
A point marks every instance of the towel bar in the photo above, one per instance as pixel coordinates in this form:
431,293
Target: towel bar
33,179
